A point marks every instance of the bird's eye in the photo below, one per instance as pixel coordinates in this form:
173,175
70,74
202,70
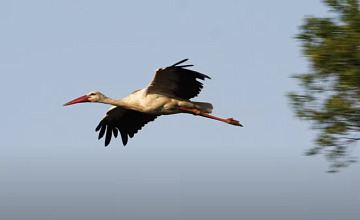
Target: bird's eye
92,93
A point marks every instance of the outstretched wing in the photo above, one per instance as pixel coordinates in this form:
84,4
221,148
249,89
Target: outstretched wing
177,81
127,122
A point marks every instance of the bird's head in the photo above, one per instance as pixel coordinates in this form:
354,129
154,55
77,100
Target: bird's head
94,96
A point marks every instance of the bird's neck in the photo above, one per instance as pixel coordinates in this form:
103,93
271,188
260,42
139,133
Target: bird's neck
116,102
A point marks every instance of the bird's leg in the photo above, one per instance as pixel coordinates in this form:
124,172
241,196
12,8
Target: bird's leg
197,112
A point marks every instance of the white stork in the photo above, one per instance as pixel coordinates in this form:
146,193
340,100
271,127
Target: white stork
168,93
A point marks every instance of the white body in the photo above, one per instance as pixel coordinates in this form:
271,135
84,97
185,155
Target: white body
159,104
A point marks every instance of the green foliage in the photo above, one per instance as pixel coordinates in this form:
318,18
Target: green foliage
330,96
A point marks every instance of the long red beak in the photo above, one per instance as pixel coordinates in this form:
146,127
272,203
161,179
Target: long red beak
78,100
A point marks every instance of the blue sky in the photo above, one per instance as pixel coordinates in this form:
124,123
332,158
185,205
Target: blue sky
180,166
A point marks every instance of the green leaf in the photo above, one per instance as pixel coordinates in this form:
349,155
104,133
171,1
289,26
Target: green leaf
330,91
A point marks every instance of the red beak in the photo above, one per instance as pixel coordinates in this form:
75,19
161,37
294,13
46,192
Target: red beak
78,100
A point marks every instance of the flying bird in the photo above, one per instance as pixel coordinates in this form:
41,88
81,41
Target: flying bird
169,92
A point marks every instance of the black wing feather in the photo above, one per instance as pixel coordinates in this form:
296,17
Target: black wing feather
102,131
178,81
115,131
180,62
124,137
127,121
188,87
108,135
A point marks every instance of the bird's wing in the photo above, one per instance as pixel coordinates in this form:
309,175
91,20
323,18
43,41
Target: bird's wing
177,81
127,122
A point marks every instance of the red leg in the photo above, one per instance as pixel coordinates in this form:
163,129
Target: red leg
197,112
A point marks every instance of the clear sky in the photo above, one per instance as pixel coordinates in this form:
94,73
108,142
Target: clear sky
178,167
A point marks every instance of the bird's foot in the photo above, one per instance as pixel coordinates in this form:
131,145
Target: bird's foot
233,122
